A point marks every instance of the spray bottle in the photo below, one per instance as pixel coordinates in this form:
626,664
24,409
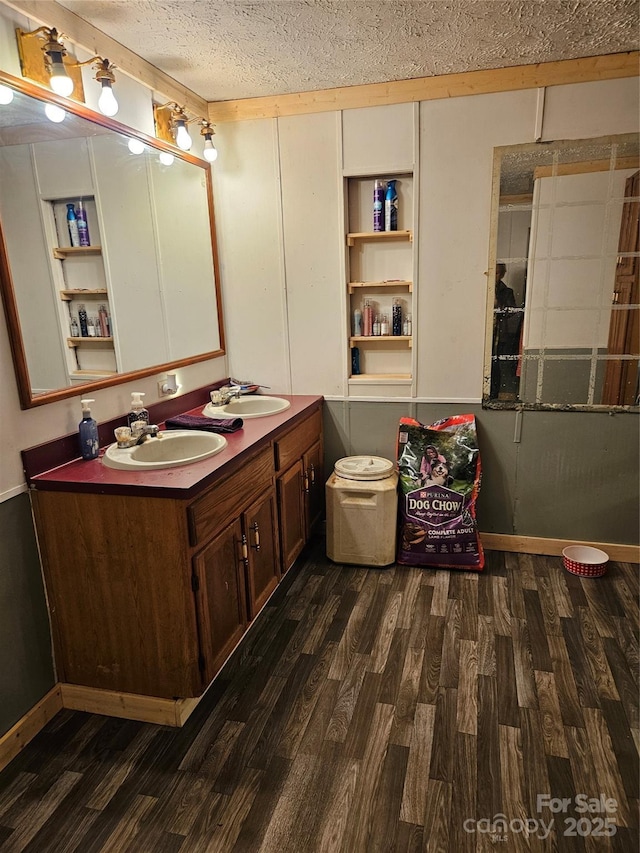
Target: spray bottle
83,228
88,432
391,207
378,205
72,225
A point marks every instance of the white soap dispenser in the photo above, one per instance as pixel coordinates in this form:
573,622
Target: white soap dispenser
88,432
138,411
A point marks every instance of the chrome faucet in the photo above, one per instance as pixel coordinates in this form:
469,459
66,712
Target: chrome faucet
143,433
222,396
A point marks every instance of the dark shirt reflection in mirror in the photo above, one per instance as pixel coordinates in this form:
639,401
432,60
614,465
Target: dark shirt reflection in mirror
505,354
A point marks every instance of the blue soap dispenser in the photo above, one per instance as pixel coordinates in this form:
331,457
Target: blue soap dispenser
88,431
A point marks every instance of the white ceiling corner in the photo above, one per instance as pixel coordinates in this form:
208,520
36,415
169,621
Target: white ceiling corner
231,49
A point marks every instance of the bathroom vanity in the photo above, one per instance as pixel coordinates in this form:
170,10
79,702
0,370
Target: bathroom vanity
153,578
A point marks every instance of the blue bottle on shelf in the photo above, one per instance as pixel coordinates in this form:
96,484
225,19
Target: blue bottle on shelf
72,225
88,432
391,207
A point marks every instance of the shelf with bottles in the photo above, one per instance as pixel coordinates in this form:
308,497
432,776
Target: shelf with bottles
354,236
62,253
380,267
78,341
69,295
356,340
355,286
89,328
76,226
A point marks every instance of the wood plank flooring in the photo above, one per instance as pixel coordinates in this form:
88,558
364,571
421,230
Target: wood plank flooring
367,710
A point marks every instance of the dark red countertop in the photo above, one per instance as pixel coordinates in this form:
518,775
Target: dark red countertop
184,481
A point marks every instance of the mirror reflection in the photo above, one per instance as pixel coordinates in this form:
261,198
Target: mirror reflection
565,329
110,254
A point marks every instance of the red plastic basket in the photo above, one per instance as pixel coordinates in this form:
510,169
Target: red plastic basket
585,561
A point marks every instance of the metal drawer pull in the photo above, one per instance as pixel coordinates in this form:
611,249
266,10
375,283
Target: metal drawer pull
256,532
313,474
245,551
305,483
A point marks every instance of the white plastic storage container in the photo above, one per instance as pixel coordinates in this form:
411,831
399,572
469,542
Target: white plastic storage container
362,505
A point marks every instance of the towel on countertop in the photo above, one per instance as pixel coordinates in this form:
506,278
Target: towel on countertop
204,423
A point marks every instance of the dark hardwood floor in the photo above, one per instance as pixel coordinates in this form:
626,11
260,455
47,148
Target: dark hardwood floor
370,710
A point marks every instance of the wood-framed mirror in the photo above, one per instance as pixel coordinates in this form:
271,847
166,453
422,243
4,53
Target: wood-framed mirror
563,314
139,292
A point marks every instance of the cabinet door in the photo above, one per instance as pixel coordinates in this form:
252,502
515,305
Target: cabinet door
263,558
314,485
291,507
220,599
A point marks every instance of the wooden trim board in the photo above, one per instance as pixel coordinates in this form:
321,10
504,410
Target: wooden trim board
607,67
28,726
553,547
130,706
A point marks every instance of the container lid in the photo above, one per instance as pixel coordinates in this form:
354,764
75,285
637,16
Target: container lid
364,468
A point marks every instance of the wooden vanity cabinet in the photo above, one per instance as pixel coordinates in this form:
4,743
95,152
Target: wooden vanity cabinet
150,595
219,585
300,485
118,577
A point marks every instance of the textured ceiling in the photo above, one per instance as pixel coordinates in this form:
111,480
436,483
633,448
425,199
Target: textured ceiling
229,49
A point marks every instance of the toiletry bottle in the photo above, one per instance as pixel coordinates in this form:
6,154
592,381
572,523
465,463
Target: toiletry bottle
88,432
378,206
355,361
72,225
396,317
91,328
391,207
367,319
102,319
384,325
357,322
138,411
406,328
83,228
82,319
75,329
376,326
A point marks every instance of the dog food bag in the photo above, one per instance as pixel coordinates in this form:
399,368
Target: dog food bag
440,470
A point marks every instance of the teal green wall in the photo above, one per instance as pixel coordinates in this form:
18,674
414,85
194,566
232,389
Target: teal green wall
26,666
571,476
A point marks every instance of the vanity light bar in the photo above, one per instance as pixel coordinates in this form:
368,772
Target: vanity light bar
171,122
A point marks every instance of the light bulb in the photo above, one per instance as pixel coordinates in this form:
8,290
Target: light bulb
107,103
165,158
55,113
183,140
135,146
210,152
6,95
61,83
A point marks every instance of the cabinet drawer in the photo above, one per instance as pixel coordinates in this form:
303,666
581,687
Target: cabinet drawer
291,446
226,500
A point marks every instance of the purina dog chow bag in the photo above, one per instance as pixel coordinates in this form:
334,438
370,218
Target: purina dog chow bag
440,470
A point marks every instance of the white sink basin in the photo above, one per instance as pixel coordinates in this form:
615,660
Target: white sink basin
247,407
172,448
